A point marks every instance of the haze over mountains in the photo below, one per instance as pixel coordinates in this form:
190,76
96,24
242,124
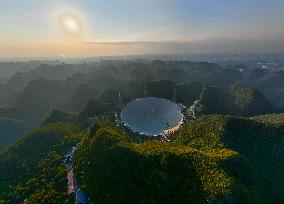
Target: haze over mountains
30,94
141,101
49,107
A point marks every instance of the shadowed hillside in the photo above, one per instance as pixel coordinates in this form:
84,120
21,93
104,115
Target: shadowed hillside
32,169
260,143
219,158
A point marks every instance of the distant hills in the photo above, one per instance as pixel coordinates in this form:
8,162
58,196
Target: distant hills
14,123
118,74
236,101
8,69
232,152
69,88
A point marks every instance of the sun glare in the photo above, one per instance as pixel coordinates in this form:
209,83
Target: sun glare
70,24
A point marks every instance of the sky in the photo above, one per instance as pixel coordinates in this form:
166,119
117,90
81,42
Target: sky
33,28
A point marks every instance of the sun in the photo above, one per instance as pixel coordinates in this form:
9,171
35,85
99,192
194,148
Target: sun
70,24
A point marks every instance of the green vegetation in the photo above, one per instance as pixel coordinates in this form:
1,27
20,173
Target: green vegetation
217,158
10,129
94,107
57,116
236,101
270,118
220,159
110,96
161,89
261,144
213,159
216,100
14,123
41,96
32,169
188,92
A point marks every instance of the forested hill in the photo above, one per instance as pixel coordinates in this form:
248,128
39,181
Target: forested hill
89,101
231,152
37,88
15,123
215,158
33,168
